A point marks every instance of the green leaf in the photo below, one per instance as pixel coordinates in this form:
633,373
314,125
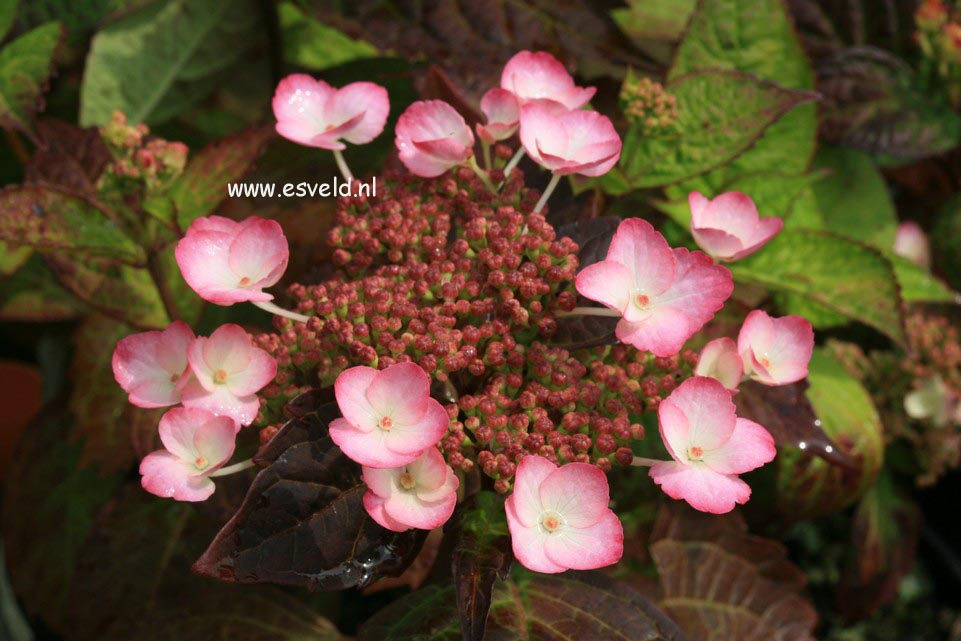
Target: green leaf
32,294
53,221
918,285
845,277
203,185
158,61
854,199
12,257
755,37
8,13
720,115
808,486
654,26
311,44
49,504
561,607
25,66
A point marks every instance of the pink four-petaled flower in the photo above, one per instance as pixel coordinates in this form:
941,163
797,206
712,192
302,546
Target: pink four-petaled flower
432,138
559,517
389,418
152,366
775,351
664,295
196,444
313,113
228,371
227,262
540,76
728,227
420,494
710,446
503,114
569,142
719,360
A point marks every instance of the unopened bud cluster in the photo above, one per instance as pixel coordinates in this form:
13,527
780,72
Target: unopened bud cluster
139,162
647,104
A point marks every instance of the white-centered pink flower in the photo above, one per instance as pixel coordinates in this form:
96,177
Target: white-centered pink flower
775,351
196,444
569,142
227,262
719,360
389,418
710,446
540,76
313,113
664,295
421,494
729,227
503,115
152,366
559,517
228,371
432,138
912,243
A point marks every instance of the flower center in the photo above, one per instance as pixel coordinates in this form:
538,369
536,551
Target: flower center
695,453
551,521
764,362
386,423
200,462
642,300
220,376
407,481
244,281
174,378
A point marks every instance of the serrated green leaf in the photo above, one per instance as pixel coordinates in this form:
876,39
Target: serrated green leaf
25,66
51,220
854,199
158,61
843,276
810,486
720,115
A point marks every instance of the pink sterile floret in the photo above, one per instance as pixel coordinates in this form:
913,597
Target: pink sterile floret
775,351
569,142
710,446
541,76
432,138
719,360
664,295
911,242
503,116
559,517
228,371
152,366
389,418
313,113
196,444
419,495
728,227
227,262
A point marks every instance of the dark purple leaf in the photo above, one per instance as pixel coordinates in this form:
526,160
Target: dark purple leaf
68,157
303,521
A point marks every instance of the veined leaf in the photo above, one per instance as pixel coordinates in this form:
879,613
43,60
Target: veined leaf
25,66
32,293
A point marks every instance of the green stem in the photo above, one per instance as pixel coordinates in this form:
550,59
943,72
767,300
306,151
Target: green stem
233,469
555,178
267,306
487,156
483,175
163,287
590,311
513,162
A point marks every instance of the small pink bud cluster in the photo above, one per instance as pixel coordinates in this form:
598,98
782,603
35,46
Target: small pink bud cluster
216,379
140,164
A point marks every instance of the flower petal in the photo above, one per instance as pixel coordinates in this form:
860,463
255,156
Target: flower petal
528,542
719,360
526,497
703,488
607,282
588,548
578,492
374,505
749,447
350,390
167,476
259,251
365,98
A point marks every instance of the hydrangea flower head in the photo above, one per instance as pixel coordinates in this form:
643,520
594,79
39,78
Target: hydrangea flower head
538,75
432,138
710,446
719,360
503,114
196,444
775,351
228,371
664,295
559,517
152,366
227,262
311,112
569,142
421,494
728,227
389,418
